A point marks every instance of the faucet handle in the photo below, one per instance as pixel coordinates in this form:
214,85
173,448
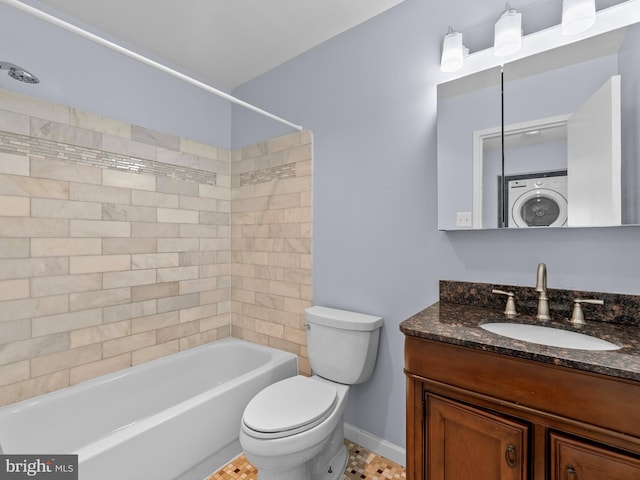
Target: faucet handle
577,315
510,309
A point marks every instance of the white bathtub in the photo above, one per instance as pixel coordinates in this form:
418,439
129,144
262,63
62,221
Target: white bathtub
175,417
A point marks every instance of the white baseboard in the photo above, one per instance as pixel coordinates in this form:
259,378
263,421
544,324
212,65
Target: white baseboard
375,444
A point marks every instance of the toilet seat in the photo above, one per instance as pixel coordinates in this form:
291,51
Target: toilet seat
288,407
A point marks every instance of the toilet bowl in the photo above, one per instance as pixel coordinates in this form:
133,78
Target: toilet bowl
293,429
283,451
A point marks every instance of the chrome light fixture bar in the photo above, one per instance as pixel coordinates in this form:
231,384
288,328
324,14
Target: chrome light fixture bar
607,19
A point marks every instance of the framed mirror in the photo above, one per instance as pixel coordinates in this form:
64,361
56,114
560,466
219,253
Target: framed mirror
566,153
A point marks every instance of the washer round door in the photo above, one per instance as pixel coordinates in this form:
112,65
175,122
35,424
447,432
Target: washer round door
539,208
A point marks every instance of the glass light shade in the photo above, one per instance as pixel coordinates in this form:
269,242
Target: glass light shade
577,16
508,34
452,52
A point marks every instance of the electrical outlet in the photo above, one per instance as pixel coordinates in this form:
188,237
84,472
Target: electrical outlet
463,219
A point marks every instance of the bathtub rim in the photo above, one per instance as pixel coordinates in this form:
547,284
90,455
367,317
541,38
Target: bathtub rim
112,376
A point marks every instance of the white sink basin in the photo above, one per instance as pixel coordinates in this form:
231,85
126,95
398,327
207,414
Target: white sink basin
553,337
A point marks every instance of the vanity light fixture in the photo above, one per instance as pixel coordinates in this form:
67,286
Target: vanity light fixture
453,52
578,16
508,33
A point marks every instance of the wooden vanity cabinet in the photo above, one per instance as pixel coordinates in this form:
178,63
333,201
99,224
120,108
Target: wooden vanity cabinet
577,460
464,442
480,415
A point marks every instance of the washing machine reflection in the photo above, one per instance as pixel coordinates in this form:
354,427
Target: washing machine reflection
536,199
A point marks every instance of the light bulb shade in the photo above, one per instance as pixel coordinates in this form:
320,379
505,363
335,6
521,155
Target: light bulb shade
577,16
452,52
508,34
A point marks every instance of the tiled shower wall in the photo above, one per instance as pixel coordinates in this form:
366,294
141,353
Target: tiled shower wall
115,245
271,243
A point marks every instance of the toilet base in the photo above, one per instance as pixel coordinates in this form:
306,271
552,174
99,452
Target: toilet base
336,467
332,460
299,472
333,470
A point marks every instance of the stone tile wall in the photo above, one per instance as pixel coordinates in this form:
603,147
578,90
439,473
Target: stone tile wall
114,245
271,243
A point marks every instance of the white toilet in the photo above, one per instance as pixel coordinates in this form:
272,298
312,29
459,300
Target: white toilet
293,429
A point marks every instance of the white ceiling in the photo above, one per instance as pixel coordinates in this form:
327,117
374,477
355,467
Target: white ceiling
221,42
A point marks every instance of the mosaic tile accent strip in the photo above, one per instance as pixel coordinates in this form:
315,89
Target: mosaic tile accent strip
16,144
362,465
268,174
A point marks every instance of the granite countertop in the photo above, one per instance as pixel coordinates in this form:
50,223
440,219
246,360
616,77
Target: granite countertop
459,324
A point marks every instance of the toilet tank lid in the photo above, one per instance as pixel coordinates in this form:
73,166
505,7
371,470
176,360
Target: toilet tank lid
346,320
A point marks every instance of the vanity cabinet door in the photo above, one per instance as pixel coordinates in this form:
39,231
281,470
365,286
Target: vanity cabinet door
467,443
575,460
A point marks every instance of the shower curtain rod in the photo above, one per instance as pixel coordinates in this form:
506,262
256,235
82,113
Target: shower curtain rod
141,58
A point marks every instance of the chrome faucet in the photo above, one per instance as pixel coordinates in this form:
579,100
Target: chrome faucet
541,287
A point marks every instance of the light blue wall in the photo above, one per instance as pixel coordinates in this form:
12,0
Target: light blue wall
369,96
81,74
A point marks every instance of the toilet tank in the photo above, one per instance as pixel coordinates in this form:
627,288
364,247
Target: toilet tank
342,345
